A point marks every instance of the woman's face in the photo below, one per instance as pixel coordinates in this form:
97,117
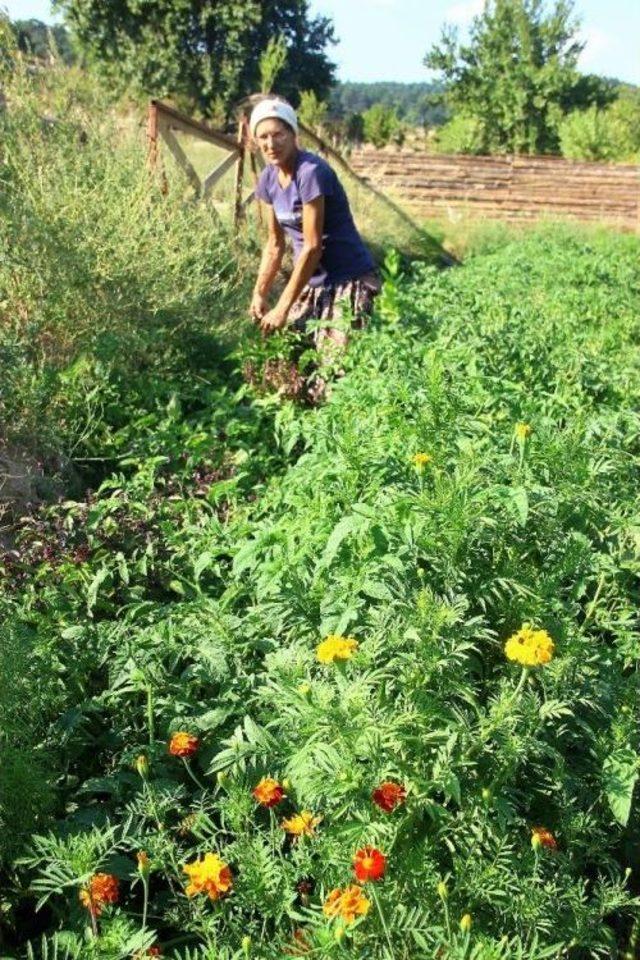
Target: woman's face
276,140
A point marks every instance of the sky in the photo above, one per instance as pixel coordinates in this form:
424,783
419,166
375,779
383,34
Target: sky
387,39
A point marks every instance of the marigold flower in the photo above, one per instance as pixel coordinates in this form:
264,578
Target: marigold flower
466,922
210,875
268,792
530,648
541,837
102,888
369,864
348,904
301,824
183,744
522,431
389,795
420,460
336,647
144,863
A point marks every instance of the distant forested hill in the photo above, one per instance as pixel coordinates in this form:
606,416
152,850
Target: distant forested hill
411,100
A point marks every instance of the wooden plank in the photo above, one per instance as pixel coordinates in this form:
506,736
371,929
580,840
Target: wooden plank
212,178
238,207
195,128
180,156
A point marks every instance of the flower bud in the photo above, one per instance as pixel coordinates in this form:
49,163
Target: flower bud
338,933
144,863
443,893
487,794
286,784
304,689
466,922
246,945
142,766
222,777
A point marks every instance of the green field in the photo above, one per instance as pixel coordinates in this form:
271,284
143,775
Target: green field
209,537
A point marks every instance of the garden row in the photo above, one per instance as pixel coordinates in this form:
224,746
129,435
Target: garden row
382,704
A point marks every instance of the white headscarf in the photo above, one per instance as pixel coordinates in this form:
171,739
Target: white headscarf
273,109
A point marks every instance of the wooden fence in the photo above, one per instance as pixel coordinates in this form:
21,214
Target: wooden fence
164,121
505,188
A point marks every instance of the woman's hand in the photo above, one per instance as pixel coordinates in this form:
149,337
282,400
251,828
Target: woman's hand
258,307
273,320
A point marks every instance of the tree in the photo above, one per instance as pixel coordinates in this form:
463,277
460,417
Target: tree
312,112
517,75
204,51
41,40
382,125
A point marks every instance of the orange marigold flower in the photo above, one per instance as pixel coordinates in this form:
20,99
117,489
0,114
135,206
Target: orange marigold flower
102,888
301,824
144,863
336,647
369,864
541,837
210,876
269,792
183,744
348,904
389,795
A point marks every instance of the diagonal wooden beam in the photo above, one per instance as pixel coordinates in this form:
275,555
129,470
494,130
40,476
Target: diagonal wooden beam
212,178
180,121
180,156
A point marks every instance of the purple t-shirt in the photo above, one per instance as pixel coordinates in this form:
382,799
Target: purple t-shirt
344,255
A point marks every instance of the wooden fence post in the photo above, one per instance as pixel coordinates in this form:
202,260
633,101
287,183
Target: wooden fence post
152,136
242,136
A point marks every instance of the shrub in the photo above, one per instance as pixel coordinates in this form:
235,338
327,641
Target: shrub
461,134
382,125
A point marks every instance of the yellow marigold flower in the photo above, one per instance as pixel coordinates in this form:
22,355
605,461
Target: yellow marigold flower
301,824
210,876
348,904
530,648
522,431
420,460
336,647
466,922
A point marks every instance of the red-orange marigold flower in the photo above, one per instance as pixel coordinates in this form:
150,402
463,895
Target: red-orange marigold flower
389,795
102,888
541,837
269,792
183,744
369,864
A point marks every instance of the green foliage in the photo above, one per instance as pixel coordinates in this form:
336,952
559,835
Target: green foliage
517,74
312,112
41,40
205,54
272,62
382,125
113,298
461,134
198,603
413,102
612,133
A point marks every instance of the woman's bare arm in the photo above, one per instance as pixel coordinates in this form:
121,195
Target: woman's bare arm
308,260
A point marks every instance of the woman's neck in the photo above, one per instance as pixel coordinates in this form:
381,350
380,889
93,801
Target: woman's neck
288,166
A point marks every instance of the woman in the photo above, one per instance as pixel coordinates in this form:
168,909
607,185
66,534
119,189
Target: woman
334,273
